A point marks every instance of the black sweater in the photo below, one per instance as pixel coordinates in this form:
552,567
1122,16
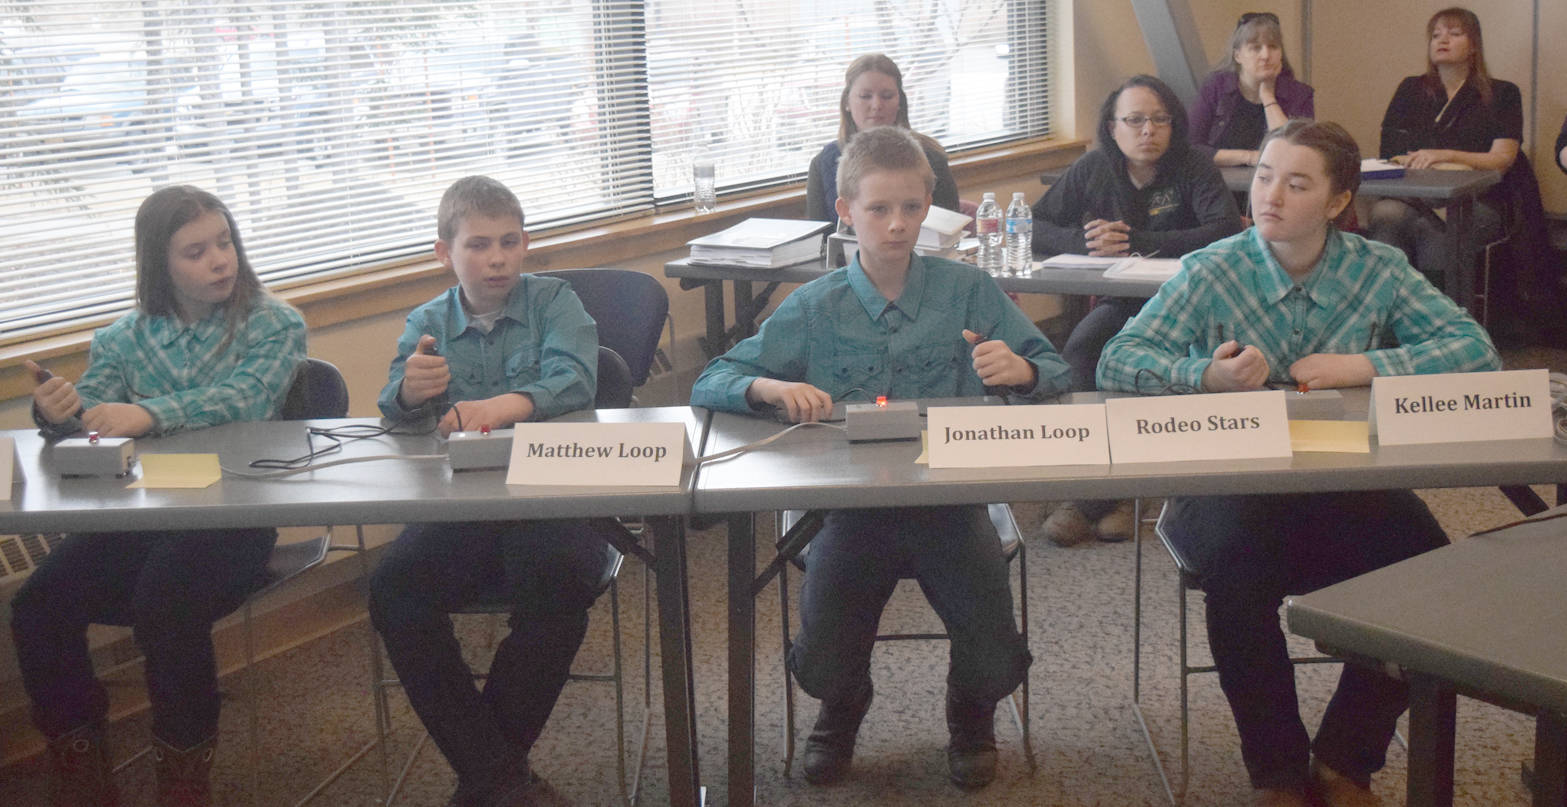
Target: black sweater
1185,207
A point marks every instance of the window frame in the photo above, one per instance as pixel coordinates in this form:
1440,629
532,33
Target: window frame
659,224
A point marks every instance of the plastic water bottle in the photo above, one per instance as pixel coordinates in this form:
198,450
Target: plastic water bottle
1020,236
704,193
987,225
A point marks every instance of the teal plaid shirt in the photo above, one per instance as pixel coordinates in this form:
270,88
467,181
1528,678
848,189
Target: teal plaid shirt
177,372
840,335
1363,297
544,345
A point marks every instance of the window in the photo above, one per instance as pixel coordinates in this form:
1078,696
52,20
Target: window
331,128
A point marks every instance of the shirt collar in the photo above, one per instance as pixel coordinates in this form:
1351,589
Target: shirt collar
1273,282
516,308
166,330
1325,285
872,300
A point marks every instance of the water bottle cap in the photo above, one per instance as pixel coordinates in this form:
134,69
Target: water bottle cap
1017,194
989,195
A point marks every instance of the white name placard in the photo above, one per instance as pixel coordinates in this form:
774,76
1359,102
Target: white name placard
598,454
1460,407
1218,426
995,436
10,466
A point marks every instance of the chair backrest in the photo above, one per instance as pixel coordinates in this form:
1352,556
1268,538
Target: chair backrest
615,385
629,308
318,391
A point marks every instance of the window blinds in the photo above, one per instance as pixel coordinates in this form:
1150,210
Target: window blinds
331,128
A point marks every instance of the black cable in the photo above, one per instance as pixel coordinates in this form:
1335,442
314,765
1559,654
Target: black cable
1163,388
339,435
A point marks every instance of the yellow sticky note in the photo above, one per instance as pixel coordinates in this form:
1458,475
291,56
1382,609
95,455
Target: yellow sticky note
1338,436
923,458
177,471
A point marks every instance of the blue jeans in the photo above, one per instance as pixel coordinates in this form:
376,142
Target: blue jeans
857,559
1089,336
1249,552
1422,236
1081,352
549,569
168,587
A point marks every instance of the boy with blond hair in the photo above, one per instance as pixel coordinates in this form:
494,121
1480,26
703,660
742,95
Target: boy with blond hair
897,324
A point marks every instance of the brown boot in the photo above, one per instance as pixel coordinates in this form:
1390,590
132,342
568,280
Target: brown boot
184,776
830,747
1334,789
971,755
80,774
1067,526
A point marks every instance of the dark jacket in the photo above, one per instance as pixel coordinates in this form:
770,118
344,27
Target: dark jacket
821,182
1469,124
1221,92
1184,208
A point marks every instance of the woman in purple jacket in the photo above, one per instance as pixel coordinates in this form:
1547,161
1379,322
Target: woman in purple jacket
1254,92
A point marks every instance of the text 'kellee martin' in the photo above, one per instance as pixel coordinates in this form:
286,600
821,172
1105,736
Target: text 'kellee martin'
1077,433
1469,403
575,450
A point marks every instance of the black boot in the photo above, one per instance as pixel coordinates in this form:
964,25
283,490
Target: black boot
971,756
184,776
830,747
80,774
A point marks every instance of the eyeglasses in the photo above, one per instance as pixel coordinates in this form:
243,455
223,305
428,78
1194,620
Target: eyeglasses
1139,121
1257,15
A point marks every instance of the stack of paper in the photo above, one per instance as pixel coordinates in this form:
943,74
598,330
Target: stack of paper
1380,169
1129,267
942,229
761,243
1067,260
1140,268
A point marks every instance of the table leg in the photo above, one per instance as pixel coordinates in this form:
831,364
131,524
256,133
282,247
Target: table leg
1433,713
1461,279
1550,760
713,299
745,319
742,660
674,630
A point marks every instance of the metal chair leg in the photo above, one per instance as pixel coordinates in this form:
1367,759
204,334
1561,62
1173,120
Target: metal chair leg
383,715
788,644
255,707
620,695
1027,720
1137,650
1186,766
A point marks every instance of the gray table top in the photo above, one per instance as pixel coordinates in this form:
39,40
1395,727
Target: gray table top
1425,183
1484,613
1041,281
819,468
387,491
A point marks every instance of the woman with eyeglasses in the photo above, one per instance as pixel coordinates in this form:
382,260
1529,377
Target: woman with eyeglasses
1143,189
1455,115
872,96
1251,94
